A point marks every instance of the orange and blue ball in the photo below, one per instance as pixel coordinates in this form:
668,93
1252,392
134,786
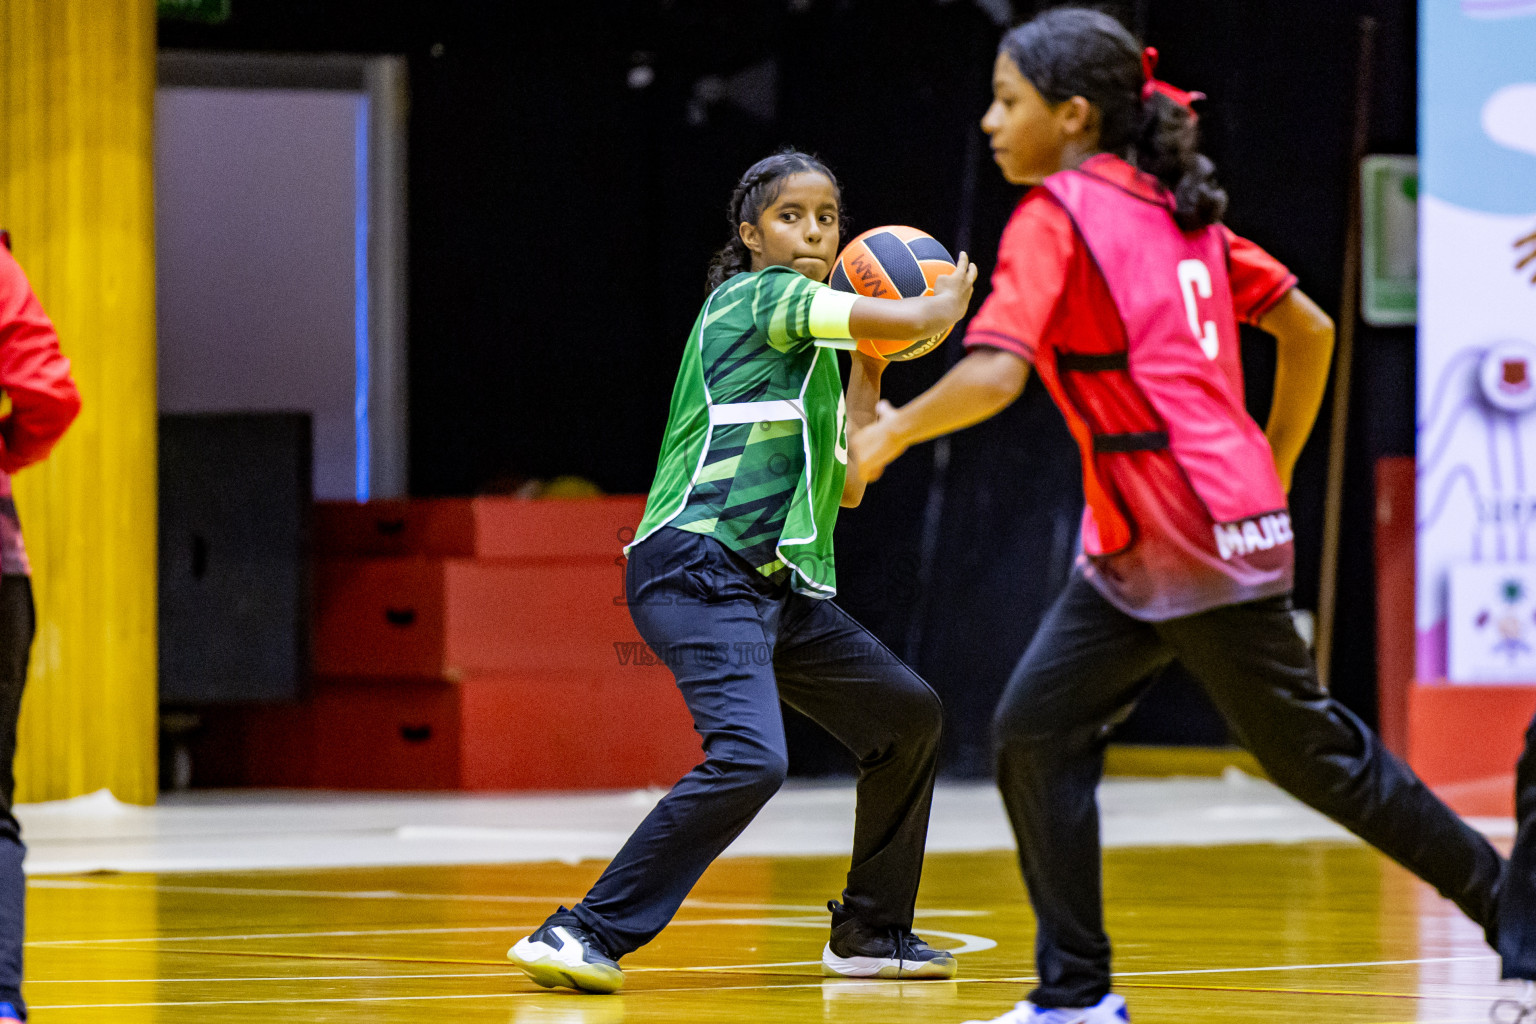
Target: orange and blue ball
893,262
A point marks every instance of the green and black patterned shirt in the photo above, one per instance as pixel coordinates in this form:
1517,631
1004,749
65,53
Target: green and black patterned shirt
757,401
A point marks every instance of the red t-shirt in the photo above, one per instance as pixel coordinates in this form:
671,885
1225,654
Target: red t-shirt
1046,289
44,401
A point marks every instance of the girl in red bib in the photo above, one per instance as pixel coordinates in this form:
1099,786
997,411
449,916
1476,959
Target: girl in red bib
1118,284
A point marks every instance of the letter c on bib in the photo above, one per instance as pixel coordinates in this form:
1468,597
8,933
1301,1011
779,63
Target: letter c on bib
1195,280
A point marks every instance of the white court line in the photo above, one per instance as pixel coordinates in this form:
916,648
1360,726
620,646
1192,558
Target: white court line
511,973
1030,979
356,933
1307,967
785,922
386,894
268,1002
820,983
801,963
790,922
400,977
489,995
366,894
968,943
721,967
974,943
1022,980
364,932
971,943
297,977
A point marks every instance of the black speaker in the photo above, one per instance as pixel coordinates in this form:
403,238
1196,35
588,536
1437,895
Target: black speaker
235,499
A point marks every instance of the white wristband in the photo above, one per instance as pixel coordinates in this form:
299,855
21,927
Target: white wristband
830,311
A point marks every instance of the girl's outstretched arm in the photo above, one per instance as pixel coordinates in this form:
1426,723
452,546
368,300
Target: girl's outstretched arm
1303,350
976,388
863,393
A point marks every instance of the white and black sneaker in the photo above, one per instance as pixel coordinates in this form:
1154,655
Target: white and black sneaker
1506,1011
859,951
1109,1010
567,956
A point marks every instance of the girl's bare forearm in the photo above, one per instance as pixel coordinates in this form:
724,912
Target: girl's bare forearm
976,388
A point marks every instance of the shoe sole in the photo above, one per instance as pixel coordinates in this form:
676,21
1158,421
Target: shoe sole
836,966
548,972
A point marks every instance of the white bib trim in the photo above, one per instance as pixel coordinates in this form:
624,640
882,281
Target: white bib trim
757,412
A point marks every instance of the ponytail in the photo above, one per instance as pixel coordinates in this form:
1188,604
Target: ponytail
1168,148
734,258
1078,51
754,193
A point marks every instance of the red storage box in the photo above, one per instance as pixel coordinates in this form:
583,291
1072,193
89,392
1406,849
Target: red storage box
1462,739
474,643
440,618
492,732
1462,732
542,732
498,528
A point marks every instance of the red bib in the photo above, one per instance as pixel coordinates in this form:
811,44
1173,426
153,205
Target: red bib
1171,387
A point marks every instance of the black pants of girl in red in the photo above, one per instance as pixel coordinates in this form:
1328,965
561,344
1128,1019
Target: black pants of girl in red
1081,674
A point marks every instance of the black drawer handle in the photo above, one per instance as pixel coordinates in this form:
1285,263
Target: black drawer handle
415,733
400,616
389,527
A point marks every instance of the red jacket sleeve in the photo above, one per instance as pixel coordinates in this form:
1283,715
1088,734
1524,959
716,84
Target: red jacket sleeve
33,373
1030,276
1259,281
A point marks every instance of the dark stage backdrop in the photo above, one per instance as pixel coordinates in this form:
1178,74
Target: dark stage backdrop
569,168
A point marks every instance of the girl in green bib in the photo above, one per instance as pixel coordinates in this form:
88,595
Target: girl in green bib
730,581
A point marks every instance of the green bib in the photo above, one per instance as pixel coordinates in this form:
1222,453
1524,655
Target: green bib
762,474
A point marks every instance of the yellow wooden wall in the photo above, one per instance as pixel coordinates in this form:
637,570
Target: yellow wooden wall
77,84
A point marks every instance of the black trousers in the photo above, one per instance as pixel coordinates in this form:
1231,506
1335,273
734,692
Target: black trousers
1517,896
17,625
739,645
1080,676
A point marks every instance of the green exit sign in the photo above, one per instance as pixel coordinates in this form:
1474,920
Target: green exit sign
1389,239
209,12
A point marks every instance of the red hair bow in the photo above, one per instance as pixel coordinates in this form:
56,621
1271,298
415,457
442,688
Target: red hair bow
1155,85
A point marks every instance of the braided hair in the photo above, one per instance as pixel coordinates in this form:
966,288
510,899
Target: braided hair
757,190
1077,51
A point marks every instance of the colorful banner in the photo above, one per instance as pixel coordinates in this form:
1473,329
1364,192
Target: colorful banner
1477,342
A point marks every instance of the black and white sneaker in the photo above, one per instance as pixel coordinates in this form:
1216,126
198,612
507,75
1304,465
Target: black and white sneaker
859,951
1506,1011
567,956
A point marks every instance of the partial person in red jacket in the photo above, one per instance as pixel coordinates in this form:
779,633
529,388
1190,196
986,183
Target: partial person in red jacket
1117,283
34,376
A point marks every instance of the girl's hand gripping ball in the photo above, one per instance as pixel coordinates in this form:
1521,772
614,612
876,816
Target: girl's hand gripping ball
894,262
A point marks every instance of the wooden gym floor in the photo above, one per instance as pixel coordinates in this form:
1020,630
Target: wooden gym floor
1266,933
